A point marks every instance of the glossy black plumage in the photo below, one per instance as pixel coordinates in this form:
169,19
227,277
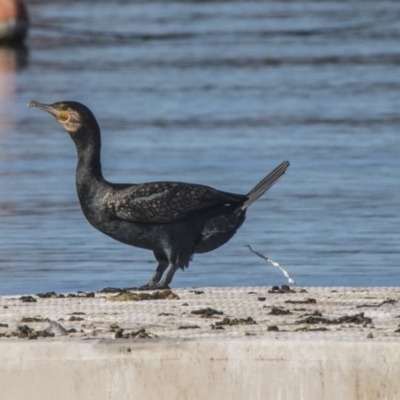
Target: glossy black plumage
173,219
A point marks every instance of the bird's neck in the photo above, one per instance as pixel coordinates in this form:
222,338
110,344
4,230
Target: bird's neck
89,167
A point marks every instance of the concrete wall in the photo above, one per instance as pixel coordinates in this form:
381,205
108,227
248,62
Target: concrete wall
199,369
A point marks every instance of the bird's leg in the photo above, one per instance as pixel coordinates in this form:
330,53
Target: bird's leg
158,273
153,282
156,285
164,284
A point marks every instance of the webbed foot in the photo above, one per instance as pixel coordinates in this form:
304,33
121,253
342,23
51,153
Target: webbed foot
111,290
149,286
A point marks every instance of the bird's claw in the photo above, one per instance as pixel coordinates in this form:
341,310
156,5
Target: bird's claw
148,286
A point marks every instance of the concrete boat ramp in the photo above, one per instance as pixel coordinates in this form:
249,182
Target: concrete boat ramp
204,343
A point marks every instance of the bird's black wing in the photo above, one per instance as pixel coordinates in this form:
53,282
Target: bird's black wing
162,202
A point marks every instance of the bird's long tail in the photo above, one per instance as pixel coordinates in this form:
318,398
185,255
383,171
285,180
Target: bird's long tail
265,184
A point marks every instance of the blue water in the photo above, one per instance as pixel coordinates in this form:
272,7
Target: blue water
218,94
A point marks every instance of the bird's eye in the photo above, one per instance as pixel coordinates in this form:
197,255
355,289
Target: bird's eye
64,107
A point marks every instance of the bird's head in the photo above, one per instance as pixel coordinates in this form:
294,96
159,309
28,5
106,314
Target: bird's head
76,118
73,116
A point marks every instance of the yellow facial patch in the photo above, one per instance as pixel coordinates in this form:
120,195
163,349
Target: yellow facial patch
63,116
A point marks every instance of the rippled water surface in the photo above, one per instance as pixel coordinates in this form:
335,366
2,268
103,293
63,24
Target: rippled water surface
218,94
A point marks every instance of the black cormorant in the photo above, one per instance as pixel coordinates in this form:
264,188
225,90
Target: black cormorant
173,219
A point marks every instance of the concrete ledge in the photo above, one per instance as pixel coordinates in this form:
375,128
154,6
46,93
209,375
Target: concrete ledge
323,358
200,369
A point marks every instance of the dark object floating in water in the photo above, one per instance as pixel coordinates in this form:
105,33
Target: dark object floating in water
14,22
173,219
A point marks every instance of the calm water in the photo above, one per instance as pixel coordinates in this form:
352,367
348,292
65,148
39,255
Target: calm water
218,94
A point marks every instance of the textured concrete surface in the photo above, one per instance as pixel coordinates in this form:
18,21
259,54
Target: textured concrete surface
241,343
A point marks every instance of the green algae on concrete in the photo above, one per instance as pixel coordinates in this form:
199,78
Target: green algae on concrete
166,294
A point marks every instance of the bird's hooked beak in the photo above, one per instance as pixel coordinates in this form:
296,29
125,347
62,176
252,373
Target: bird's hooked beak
59,112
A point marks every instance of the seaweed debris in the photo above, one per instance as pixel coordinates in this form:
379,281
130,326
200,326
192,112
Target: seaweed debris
279,311
25,332
166,294
233,321
353,319
34,319
207,312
